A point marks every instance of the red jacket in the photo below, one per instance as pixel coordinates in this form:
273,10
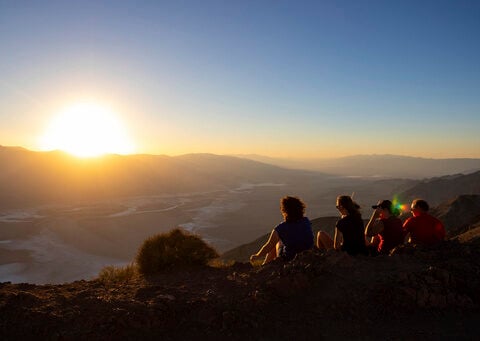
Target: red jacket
424,229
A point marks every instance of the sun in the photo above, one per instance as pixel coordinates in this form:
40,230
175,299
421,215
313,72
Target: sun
87,130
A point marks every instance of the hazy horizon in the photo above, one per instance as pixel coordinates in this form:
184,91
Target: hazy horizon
244,155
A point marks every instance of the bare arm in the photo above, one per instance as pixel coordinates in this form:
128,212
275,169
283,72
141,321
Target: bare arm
267,247
375,225
406,231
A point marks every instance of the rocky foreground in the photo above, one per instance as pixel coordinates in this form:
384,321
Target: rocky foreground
414,293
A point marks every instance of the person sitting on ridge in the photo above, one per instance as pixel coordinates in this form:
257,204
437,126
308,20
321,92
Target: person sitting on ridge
290,237
349,232
384,229
423,228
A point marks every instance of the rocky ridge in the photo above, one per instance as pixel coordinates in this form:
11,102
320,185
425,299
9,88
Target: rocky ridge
415,292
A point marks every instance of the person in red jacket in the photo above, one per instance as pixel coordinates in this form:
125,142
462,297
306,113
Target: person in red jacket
423,228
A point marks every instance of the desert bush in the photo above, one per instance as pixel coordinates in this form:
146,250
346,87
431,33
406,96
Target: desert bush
174,249
114,274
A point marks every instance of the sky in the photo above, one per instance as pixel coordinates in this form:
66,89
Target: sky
301,79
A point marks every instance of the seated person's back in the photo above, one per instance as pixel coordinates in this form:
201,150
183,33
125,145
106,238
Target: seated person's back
296,236
423,228
392,234
351,227
290,237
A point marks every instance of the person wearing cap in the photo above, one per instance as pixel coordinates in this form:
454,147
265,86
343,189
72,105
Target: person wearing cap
423,228
384,230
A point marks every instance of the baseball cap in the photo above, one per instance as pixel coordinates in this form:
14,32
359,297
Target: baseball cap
383,204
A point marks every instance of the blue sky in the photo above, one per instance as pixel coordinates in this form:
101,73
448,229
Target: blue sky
279,78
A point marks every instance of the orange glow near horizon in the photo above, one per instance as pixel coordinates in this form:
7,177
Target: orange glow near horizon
87,130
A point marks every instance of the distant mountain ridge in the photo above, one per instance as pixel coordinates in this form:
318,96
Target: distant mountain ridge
378,165
30,178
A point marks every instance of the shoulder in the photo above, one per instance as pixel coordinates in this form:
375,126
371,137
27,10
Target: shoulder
394,220
347,221
306,221
409,222
280,227
436,220
342,221
354,219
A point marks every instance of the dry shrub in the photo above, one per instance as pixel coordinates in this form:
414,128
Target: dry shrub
174,249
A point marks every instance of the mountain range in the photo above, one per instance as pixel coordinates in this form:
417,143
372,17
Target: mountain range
390,166
30,178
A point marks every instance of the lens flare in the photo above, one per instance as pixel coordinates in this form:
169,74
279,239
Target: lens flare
398,207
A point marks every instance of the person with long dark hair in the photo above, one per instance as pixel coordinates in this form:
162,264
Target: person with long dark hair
349,230
290,237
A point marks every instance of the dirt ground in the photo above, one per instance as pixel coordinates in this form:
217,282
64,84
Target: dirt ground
414,293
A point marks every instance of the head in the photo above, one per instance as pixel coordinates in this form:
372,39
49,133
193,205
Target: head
347,206
292,208
386,208
419,206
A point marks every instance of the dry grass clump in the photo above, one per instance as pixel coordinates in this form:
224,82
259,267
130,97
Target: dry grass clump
220,263
114,274
174,249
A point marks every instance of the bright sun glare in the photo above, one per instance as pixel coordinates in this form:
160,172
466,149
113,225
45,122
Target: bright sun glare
87,130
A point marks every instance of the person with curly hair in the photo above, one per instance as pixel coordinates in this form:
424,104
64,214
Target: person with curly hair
290,237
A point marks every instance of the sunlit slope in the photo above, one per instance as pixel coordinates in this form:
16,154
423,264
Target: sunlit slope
28,178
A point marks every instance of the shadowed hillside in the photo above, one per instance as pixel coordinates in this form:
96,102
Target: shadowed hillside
437,190
459,214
